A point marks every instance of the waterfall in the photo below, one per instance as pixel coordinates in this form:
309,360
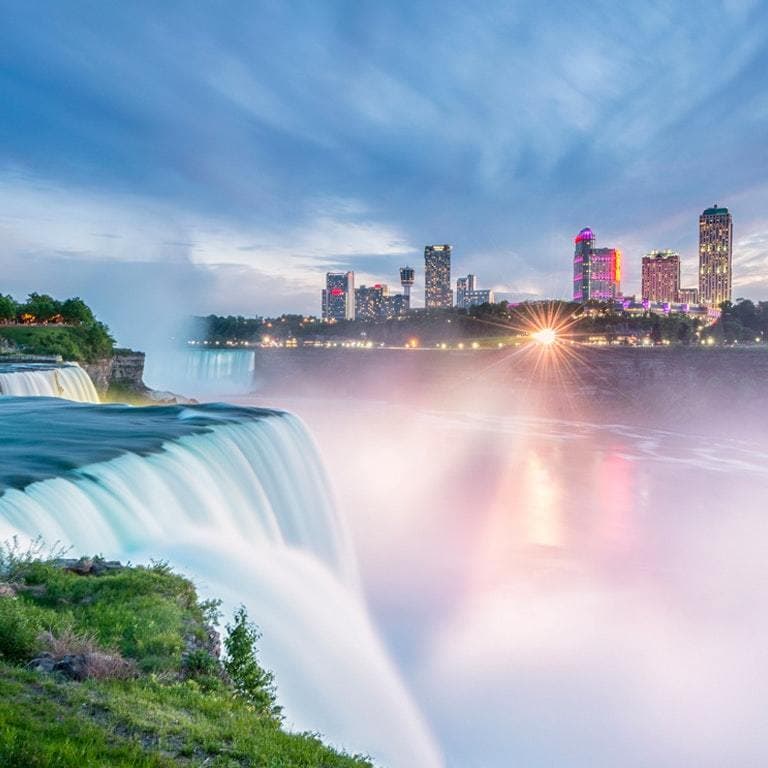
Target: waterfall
68,381
238,498
198,371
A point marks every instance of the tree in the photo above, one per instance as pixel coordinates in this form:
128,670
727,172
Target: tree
76,312
250,680
8,309
41,307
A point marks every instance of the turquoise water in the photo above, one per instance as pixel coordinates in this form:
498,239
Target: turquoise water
46,437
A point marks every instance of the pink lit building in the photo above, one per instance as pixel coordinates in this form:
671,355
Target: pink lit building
596,271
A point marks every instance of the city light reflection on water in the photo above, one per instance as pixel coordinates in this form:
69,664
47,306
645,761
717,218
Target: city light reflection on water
557,586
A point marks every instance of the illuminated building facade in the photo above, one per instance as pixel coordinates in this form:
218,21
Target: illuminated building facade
596,271
338,299
437,277
463,286
688,296
468,295
396,305
605,275
370,302
582,258
661,276
715,256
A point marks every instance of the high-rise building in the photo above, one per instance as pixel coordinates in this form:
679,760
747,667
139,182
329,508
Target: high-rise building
407,277
688,296
661,276
468,295
582,260
395,305
596,271
437,277
370,302
605,277
715,256
339,296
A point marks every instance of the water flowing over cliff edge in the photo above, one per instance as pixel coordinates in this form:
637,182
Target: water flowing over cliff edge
66,380
238,497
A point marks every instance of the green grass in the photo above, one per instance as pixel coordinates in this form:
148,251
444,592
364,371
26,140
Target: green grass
79,343
142,612
48,722
165,716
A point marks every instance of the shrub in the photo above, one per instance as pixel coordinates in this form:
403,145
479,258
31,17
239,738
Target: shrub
21,626
67,642
250,680
101,665
16,557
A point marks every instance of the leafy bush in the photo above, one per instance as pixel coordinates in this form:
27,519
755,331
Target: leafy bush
250,680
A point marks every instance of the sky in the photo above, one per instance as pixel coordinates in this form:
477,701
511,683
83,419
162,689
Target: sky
163,159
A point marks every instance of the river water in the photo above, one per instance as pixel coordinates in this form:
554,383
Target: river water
569,590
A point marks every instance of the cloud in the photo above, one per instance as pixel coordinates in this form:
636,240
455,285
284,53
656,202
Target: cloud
72,240
224,136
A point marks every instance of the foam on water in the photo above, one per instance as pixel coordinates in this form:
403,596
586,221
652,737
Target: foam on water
68,381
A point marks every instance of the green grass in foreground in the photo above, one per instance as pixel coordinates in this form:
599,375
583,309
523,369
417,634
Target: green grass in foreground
168,712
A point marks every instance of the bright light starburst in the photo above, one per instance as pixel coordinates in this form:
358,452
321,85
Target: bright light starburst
545,336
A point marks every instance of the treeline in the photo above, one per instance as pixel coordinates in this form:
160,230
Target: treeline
230,328
40,308
42,325
742,321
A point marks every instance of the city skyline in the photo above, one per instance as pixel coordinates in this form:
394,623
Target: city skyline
211,169
597,273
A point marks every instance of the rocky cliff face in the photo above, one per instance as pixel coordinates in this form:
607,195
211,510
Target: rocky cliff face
124,370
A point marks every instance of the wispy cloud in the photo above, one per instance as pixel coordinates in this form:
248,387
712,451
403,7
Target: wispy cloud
206,137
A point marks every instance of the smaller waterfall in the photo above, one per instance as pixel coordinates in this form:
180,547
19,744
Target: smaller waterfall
68,381
202,371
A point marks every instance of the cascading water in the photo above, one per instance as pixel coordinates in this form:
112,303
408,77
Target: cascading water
199,371
238,498
67,380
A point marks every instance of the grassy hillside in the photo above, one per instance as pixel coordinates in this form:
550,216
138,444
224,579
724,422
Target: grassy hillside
79,343
137,680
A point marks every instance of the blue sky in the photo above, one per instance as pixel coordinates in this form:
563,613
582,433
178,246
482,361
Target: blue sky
220,156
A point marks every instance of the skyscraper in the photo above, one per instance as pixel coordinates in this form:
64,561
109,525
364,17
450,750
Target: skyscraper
437,277
468,295
407,277
463,286
596,271
582,260
715,256
339,296
661,276
370,302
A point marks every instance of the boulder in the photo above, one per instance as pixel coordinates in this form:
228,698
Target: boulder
74,666
86,566
42,663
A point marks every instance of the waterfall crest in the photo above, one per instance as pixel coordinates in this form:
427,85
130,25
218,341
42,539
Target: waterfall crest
68,381
241,502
